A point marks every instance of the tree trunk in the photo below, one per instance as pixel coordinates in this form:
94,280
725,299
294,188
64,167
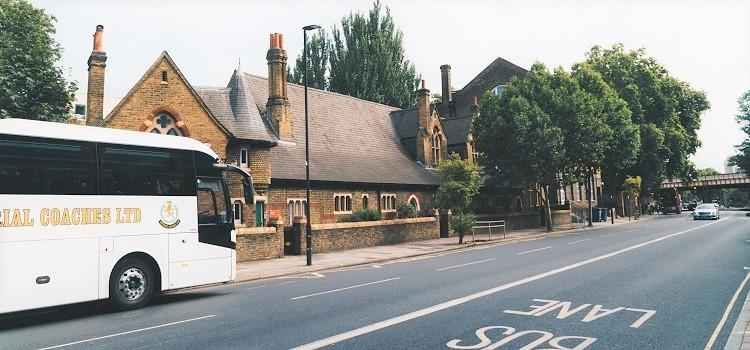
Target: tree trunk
460,238
547,210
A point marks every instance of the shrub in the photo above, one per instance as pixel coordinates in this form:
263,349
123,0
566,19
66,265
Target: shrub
366,215
461,223
406,210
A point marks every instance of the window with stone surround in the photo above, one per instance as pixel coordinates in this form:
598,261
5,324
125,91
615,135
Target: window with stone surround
388,202
243,157
436,144
342,203
296,207
165,124
365,201
237,209
414,202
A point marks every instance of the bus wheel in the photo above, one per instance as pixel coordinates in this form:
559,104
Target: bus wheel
131,284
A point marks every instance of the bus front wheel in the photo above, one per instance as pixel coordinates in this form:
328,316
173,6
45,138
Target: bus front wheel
132,284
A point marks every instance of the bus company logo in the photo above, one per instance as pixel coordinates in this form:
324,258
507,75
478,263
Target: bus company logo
170,216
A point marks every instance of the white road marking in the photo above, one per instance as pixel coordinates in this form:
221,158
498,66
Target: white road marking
724,317
307,276
533,251
256,287
345,288
126,333
462,300
462,265
579,241
287,282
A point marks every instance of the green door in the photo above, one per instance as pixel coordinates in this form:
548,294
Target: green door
260,214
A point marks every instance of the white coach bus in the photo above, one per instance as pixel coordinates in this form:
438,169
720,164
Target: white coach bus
92,213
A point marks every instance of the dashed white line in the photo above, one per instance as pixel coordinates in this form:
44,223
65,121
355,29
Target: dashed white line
579,241
466,264
126,333
345,288
318,344
256,287
533,251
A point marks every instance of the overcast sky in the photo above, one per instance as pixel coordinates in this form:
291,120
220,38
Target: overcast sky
706,43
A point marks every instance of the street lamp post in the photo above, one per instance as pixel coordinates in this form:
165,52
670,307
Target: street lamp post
308,226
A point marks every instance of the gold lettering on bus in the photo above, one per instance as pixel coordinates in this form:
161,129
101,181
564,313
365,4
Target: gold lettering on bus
17,217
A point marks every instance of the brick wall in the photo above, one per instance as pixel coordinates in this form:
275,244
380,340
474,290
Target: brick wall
151,96
353,235
323,204
259,243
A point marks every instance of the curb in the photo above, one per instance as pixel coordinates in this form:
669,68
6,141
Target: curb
466,246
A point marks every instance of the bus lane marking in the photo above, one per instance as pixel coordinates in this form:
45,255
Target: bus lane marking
324,342
565,309
126,333
509,333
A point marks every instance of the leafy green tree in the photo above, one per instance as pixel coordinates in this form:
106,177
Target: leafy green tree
742,159
363,57
319,47
459,184
519,137
666,110
32,84
708,172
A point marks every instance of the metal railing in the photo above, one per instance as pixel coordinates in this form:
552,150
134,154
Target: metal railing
488,225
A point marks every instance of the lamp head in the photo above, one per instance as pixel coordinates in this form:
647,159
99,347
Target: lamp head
311,27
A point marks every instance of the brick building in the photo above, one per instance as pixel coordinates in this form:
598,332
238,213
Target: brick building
357,157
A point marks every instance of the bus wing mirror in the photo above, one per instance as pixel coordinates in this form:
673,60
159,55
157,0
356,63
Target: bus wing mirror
247,180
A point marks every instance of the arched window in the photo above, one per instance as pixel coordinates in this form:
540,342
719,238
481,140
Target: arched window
414,202
365,201
436,142
165,124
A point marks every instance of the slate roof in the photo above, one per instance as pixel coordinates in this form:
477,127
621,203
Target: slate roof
500,71
236,109
351,140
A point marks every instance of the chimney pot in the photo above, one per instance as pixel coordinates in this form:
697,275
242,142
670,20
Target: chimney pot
423,84
476,100
98,39
281,40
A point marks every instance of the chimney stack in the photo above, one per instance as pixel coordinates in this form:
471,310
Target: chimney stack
445,74
95,91
475,106
277,106
424,131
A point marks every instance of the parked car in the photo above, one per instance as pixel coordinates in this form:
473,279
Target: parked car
706,211
692,206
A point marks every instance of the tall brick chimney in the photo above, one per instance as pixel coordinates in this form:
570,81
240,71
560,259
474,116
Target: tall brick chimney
445,75
95,92
424,132
277,106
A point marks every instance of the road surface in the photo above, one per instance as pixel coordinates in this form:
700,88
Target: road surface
663,283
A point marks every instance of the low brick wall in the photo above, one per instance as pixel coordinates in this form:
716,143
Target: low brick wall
353,235
259,243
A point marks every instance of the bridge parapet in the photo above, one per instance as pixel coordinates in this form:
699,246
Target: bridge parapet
721,180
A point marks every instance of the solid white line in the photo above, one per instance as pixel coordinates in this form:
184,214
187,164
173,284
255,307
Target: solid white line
724,317
455,302
579,241
462,265
345,288
256,287
128,332
533,251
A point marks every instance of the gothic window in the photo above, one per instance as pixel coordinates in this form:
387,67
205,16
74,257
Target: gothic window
342,203
365,200
436,143
414,202
388,202
165,124
296,207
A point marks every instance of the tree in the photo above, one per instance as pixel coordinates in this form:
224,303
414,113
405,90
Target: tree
32,84
318,51
459,184
519,139
742,159
365,59
708,172
666,110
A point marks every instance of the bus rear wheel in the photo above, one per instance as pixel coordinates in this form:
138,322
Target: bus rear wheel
131,284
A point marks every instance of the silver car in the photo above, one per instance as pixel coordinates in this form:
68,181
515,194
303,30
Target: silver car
706,211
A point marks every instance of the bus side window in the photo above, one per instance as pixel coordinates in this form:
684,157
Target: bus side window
131,170
44,166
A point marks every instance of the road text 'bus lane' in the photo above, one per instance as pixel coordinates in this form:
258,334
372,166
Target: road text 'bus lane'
496,337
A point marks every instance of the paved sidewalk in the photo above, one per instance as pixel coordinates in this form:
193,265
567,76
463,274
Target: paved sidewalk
739,339
296,264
